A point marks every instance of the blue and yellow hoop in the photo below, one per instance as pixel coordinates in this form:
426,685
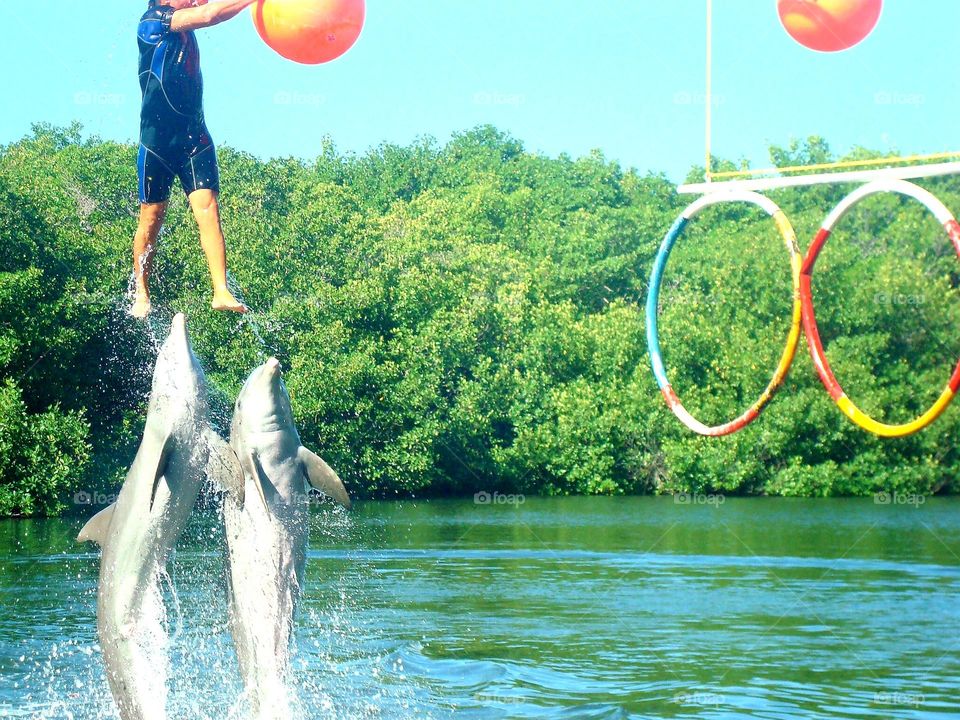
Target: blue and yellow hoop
653,302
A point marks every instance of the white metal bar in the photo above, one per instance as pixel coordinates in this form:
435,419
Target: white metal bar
708,95
762,184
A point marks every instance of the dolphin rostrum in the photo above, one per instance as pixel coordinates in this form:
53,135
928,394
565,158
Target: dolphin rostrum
138,531
267,535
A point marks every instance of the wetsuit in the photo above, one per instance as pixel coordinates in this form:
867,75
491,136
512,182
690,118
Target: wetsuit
174,142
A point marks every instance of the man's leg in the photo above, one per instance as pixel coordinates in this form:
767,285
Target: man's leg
206,210
144,243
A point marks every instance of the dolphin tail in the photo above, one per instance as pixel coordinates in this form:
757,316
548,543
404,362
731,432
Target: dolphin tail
223,467
322,477
98,526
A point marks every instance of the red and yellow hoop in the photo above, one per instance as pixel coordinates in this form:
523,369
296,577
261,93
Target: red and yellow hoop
820,362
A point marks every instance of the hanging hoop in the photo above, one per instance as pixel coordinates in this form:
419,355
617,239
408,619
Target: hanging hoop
860,418
653,300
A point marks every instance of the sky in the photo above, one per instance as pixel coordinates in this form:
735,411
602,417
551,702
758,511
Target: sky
563,76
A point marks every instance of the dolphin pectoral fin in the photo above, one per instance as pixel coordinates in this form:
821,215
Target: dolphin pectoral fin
322,477
223,467
251,468
97,527
160,467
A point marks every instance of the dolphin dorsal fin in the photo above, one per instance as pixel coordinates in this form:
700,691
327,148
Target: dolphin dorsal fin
98,526
223,467
322,477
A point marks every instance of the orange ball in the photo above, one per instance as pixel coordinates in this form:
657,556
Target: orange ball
309,31
829,25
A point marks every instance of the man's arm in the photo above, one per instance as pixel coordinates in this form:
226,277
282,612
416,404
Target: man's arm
206,15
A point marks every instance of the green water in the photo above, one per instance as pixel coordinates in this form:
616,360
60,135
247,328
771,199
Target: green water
566,608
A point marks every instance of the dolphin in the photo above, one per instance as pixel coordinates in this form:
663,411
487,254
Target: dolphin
267,535
138,531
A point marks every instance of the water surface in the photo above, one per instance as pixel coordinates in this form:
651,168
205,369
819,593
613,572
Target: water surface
553,608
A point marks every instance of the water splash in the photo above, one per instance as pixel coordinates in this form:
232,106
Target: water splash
347,662
252,319
169,590
151,662
154,324
66,681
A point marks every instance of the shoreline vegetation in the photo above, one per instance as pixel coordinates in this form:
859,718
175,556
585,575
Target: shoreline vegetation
468,317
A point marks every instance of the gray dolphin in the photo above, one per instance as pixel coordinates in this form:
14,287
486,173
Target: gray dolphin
267,535
139,530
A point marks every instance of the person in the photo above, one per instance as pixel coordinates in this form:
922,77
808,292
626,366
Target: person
174,141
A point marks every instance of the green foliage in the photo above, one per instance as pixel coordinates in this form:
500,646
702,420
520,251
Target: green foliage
470,317
43,455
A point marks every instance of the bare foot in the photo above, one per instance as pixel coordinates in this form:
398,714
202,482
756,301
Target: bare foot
141,306
224,300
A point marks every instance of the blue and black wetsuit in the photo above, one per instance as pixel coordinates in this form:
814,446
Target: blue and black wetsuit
174,142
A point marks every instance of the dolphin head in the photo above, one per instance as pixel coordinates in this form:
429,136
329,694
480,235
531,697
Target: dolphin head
177,374
264,404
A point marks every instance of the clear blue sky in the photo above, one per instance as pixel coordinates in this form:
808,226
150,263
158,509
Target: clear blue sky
624,76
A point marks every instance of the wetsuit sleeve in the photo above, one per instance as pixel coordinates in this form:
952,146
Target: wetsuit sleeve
155,24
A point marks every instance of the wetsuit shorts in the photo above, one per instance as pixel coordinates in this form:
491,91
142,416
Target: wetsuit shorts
196,168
